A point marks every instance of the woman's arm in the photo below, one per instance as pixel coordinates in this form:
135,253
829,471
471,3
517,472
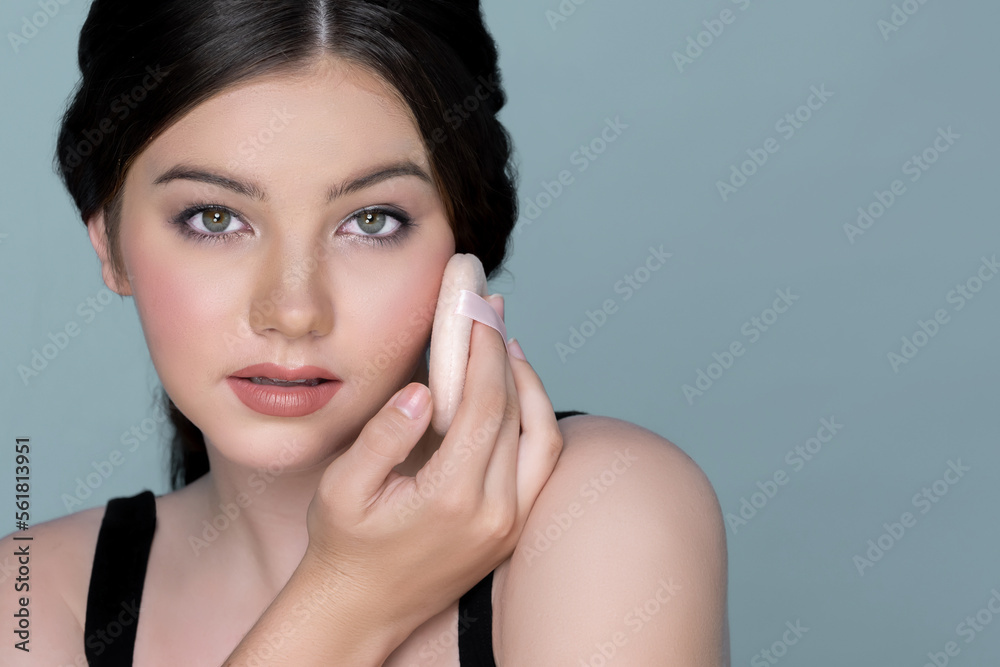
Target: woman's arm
314,620
622,560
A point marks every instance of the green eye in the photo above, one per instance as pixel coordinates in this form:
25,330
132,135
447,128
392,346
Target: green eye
371,222
213,222
216,219
370,225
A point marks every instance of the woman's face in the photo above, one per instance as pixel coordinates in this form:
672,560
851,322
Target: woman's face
243,246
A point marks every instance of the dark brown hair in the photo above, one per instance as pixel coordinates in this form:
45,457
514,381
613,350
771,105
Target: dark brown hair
146,64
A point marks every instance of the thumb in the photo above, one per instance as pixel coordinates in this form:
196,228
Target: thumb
384,442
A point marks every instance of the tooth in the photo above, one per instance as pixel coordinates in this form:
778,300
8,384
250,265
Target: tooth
307,382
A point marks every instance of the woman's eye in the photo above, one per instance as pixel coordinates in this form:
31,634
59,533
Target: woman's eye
209,222
213,221
370,223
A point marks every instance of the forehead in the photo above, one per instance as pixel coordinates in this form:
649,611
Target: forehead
329,112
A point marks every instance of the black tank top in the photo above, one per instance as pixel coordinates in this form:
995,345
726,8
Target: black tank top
119,572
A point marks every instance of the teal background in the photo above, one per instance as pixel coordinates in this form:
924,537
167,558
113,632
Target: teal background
656,184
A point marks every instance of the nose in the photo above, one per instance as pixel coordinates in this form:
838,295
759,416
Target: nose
292,295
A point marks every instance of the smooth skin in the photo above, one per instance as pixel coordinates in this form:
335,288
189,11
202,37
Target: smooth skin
605,536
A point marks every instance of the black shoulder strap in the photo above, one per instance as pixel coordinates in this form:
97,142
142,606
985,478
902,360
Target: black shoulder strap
117,578
475,625
475,614
568,413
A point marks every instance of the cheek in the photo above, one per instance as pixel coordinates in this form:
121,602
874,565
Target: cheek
399,319
182,309
399,326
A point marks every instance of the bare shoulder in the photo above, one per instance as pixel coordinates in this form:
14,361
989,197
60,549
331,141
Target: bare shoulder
48,567
587,435
598,451
62,550
623,554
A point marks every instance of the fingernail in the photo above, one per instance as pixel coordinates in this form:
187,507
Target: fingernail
496,300
412,401
515,349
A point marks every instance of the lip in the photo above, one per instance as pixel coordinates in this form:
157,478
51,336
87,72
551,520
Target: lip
281,373
278,401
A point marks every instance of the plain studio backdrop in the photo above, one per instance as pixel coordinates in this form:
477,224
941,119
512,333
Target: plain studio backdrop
766,230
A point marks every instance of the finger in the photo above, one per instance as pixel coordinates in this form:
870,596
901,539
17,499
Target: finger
472,434
500,483
541,440
501,472
384,442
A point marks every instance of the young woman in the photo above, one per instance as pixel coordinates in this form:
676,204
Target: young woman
279,185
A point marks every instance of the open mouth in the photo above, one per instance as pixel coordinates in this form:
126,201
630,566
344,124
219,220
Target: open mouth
278,397
279,391
311,382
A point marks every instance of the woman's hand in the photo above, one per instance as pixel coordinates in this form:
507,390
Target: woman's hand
412,545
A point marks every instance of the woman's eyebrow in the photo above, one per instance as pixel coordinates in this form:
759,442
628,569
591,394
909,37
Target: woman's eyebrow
255,191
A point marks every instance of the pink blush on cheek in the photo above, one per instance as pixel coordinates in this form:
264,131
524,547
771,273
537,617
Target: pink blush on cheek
184,315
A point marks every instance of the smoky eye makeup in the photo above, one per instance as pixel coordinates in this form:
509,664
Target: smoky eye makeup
214,223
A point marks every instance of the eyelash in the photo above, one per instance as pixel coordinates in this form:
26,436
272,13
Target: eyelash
405,224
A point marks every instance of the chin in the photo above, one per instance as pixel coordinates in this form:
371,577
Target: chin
294,444
275,448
